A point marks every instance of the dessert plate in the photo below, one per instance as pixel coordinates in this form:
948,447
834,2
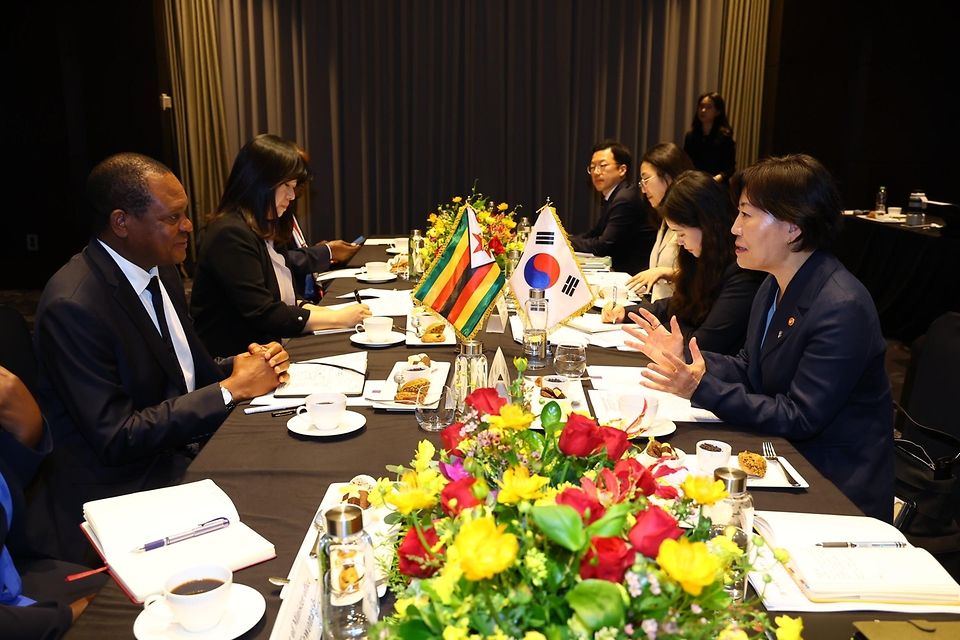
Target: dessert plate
389,277
361,339
438,377
301,425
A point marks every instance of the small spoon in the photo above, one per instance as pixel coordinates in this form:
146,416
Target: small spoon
277,580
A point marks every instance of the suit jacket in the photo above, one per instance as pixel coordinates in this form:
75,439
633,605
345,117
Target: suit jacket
622,231
716,155
818,380
664,254
112,393
236,296
725,327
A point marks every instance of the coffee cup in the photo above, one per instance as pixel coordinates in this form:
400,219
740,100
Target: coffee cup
324,410
414,371
712,456
377,328
377,270
637,412
196,597
894,211
402,245
606,293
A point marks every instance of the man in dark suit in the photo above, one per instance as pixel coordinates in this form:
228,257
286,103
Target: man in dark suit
124,381
622,232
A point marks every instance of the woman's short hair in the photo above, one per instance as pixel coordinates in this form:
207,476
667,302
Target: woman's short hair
696,200
720,122
797,189
262,165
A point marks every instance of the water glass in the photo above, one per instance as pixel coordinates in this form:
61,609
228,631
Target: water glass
435,408
570,361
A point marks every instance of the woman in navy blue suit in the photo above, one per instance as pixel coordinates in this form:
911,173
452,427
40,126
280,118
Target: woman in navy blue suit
812,369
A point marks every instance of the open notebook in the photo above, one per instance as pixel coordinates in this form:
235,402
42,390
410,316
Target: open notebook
117,526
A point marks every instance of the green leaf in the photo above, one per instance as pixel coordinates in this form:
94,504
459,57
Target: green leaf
551,415
415,629
393,517
611,524
561,524
598,604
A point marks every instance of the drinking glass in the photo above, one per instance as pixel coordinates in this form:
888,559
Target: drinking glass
435,408
570,361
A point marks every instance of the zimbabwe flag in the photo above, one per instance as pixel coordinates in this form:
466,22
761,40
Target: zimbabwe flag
463,283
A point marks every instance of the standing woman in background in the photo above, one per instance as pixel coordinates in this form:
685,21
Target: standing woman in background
658,167
243,291
709,143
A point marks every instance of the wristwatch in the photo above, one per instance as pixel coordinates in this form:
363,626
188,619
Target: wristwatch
227,398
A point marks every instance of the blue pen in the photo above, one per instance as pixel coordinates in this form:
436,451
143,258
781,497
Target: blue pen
207,527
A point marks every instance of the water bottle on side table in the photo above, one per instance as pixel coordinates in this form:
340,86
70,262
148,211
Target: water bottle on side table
881,205
348,579
535,330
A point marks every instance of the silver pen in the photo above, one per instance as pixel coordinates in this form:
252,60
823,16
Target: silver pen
207,527
861,545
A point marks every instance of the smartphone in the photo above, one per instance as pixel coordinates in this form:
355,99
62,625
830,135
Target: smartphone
360,240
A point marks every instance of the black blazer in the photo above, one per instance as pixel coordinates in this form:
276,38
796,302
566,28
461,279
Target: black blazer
725,327
622,232
112,393
819,380
236,296
717,155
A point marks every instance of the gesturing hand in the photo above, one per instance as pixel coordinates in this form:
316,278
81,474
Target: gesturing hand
652,338
673,375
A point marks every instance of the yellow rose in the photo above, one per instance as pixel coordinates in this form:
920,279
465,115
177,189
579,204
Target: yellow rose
485,550
425,451
788,628
512,416
410,496
732,634
509,223
703,489
689,563
518,484
458,200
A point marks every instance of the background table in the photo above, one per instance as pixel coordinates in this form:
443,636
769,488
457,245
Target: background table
277,479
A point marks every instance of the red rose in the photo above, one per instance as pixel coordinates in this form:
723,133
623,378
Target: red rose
496,246
486,401
451,438
653,527
581,501
607,559
634,477
616,442
580,436
459,490
414,560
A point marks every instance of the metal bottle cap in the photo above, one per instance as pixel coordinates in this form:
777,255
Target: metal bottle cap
471,348
344,520
415,233
536,294
734,480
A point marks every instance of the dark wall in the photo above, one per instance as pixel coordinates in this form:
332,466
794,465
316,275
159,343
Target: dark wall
83,83
867,87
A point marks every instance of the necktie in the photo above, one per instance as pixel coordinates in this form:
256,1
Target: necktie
157,299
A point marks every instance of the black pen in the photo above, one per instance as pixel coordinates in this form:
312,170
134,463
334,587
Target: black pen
285,412
356,294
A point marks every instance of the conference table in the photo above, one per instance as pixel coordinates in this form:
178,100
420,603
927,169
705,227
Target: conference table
277,478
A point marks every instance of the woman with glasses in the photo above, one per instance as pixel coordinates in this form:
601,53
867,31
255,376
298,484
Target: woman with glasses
658,167
244,291
713,294
709,143
812,368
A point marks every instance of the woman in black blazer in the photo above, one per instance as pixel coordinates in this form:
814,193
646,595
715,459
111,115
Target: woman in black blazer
713,295
243,291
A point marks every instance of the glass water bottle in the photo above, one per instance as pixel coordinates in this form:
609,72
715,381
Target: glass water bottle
535,330
415,258
470,372
523,230
733,517
348,579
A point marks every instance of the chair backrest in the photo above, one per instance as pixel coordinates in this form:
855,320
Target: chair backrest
16,348
933,394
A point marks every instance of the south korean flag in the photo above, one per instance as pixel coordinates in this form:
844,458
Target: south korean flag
549,263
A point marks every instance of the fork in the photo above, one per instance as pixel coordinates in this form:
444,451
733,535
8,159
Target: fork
771,455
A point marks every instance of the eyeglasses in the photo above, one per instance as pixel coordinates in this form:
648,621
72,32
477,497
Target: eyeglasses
599,168
644,181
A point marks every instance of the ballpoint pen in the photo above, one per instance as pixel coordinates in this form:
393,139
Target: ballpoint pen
861,545
207,527
356,295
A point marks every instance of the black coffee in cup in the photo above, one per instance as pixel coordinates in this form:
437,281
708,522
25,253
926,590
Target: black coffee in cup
194,587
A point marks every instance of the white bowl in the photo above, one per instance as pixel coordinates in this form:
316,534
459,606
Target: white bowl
709,461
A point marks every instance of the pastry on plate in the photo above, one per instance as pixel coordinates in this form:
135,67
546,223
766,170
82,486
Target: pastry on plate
433,333
752,463
407,392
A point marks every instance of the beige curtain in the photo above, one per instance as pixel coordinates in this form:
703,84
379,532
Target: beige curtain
741,85
198,115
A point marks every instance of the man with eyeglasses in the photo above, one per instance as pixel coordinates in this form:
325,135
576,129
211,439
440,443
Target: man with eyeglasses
622,232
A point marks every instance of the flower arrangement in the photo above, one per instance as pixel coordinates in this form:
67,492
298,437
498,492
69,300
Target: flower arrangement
516,533
496,226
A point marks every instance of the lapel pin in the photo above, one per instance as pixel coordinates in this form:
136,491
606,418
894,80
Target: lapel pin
790,322
779,334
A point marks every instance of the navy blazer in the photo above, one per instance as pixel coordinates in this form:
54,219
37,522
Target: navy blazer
112,393
622,232
236,296
819,380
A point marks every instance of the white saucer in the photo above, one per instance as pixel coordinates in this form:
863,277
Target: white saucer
660,427
300,424
245,610
395,251
362,277
395,337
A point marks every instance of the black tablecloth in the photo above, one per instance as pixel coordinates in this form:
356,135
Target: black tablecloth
277,479
912,274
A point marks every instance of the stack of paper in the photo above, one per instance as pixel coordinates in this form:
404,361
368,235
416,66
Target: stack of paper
611,382
340,374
